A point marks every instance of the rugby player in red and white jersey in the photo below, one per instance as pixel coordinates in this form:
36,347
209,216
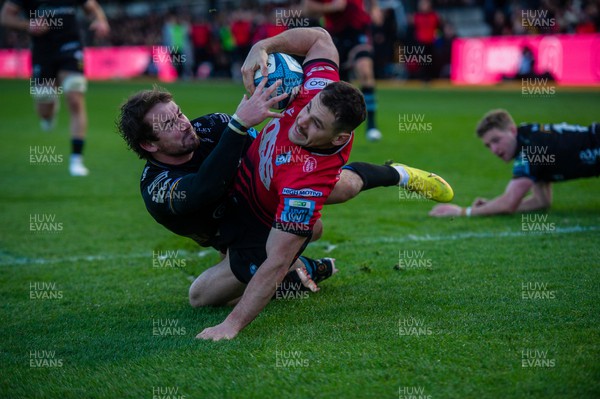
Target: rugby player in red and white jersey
285,179
283,182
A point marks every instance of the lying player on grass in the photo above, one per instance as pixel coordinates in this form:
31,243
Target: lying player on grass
191,165
541,154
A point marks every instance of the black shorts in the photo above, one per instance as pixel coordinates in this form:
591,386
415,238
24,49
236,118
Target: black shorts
351,45
47,63
244,262
246,238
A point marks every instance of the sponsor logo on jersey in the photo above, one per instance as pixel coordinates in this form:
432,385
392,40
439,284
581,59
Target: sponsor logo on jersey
302,192
317,83
297,210
282,159
590,156
309,165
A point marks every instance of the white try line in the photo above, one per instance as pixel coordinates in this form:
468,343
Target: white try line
9,260
459,236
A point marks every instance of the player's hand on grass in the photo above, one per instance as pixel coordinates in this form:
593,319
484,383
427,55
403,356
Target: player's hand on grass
218,332
256,59
446,210
257,108
306,280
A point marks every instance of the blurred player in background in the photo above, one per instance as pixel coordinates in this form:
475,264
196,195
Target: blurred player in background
349,23
541,154
57,61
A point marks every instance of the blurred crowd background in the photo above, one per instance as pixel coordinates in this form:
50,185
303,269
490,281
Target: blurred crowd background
214,36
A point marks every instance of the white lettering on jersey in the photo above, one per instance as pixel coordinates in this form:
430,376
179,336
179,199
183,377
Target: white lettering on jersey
565,127
158,188
265,152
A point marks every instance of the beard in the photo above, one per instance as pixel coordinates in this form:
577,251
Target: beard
189,144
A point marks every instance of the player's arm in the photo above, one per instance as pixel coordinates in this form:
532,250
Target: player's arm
506,203
281,248
214,177
540,198
313,7
313,43
96,13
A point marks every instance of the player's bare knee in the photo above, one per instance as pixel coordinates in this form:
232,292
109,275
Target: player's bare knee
196,297
352,184
317,230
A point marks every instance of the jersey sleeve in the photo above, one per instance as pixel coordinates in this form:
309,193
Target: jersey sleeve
521,167
318,73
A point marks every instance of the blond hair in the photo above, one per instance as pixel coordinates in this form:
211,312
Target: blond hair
496,118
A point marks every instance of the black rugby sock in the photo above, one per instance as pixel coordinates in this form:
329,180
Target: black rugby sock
77,146
374,175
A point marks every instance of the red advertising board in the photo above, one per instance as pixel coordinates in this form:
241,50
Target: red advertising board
100,63
571,59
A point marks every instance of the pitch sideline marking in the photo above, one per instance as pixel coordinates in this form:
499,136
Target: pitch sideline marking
8,260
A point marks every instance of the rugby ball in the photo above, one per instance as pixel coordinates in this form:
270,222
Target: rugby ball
285,68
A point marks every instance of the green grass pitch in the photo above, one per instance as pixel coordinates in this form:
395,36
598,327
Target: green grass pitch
422,307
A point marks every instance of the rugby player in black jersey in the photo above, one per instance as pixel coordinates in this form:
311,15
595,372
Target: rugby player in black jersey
541,154
57,61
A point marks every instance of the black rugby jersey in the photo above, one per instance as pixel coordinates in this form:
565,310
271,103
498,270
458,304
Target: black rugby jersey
557,152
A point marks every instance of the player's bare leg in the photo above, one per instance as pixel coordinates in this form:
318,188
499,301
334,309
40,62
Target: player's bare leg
47,102
75,85
47,111
216,286
348,187
363,68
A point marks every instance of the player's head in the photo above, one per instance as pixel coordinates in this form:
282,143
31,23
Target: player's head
153,125
498,132
328,120
424,5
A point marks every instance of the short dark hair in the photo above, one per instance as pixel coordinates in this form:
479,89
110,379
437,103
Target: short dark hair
346,103
131,124
496,118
